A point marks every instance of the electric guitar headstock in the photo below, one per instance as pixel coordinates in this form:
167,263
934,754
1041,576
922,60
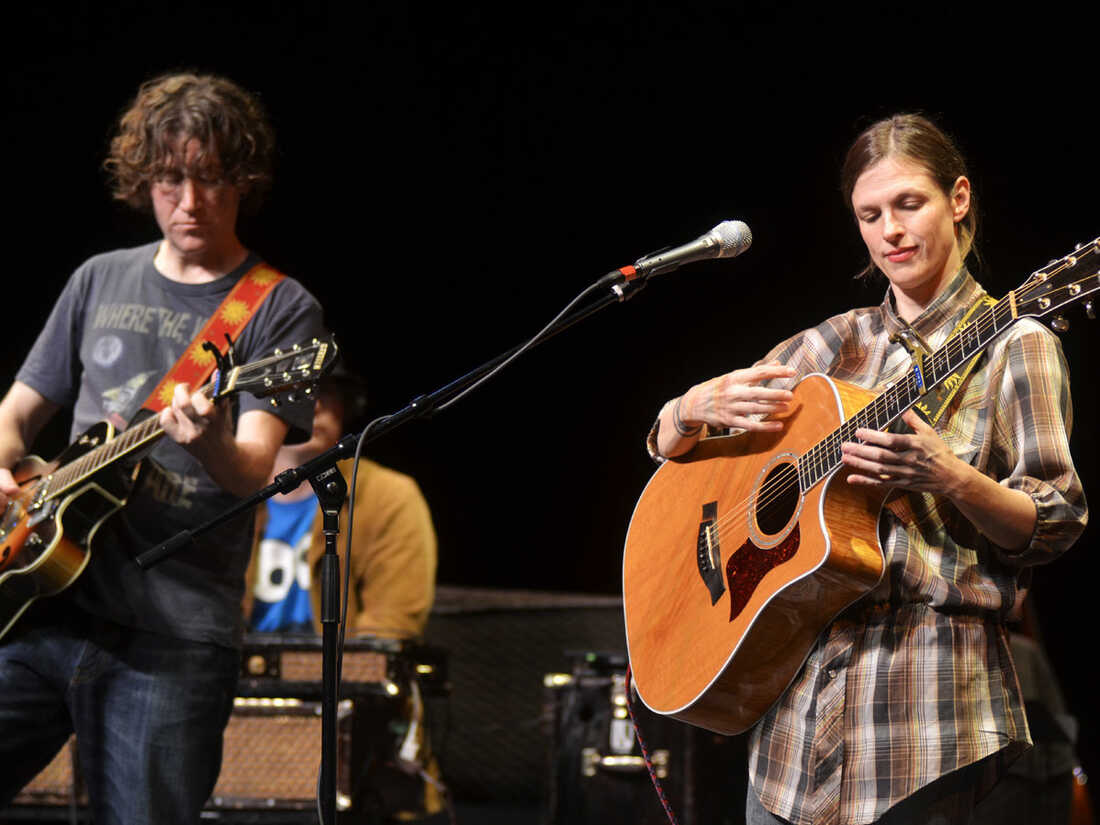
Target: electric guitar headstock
284,372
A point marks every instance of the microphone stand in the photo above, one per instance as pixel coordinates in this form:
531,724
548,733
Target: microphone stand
331,491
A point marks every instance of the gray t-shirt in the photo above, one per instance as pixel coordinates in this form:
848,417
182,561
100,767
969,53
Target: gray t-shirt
117,329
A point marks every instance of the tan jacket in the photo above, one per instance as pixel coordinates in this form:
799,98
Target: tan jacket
393,555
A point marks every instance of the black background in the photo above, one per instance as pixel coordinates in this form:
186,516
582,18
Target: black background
449,177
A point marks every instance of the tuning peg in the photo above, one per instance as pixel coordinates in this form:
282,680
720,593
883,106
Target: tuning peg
1090,310
1059,324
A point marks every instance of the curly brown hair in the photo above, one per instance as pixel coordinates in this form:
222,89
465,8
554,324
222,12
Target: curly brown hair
916,138
229,123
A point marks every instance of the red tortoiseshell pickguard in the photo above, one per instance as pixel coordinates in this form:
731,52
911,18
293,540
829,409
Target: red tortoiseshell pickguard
750,564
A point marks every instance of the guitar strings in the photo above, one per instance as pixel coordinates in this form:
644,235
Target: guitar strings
823,456
983,329
92,461
76,471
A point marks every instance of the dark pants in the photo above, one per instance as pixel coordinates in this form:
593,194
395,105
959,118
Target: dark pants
148,712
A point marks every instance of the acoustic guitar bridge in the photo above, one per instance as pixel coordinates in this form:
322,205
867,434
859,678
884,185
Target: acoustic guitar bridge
709,552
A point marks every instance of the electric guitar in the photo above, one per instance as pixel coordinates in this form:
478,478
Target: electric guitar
742,551
46,532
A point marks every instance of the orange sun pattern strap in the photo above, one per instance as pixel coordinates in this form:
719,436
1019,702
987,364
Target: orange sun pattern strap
196,364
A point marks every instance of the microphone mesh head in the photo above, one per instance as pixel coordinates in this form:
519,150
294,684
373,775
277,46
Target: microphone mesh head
733,236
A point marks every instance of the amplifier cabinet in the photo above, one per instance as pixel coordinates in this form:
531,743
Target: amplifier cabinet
596,770
271,759
292,666
55,785
271,755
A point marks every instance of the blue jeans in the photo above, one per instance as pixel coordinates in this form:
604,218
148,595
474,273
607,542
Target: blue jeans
148,712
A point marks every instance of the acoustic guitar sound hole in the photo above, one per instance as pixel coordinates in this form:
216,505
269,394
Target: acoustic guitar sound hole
777,499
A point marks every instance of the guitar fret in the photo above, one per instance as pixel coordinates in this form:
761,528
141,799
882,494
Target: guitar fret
871,415
885,408
939,365
907,392
892,406
74,473
912,394
971,333
931,373
997,316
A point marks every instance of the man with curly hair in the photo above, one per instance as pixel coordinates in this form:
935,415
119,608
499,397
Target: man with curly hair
142,666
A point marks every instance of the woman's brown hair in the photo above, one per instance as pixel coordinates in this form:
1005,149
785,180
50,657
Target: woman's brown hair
915,138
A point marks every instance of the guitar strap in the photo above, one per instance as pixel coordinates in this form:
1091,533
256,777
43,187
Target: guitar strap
933,403
931,408
197,362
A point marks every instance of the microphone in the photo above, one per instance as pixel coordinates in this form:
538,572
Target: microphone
727,240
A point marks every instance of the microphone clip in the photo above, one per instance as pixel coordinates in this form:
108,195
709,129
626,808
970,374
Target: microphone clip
631,286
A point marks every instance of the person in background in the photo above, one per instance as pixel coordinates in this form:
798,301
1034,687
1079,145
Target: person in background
393,548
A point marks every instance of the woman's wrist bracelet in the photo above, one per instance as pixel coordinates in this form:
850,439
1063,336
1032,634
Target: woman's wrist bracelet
678,422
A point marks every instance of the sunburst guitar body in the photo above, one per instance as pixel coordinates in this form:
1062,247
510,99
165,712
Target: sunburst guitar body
44,544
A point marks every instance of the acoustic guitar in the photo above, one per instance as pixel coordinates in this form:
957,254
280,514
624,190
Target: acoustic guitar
741,552
46,532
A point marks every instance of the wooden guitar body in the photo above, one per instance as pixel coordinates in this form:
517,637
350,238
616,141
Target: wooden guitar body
731,572
44,542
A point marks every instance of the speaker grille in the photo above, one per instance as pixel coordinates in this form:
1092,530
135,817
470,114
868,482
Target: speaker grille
272,754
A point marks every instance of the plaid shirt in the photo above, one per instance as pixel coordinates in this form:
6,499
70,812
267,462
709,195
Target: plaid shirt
890,700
